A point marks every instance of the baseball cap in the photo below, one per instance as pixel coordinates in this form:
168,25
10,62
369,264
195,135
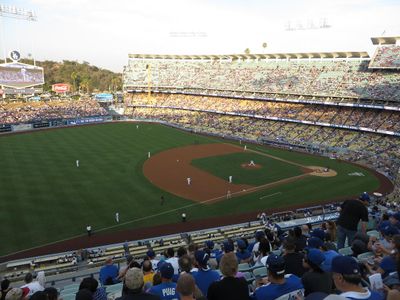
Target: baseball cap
346,265
166,270
314,242
276,264
319,233
209,244
396,216
315,256
201,257
150,253
228,246
241,244
259,234
388,229
134,278
364,197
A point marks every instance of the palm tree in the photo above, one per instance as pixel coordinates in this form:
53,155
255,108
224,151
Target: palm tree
264,45
247,51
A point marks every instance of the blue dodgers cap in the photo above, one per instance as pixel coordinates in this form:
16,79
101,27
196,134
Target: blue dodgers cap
314,242
241,244
209,244
150,253
259,234
390,230
166,270
346,265
396,216
228,246
364,197
315,256
201,257
319,233
276,264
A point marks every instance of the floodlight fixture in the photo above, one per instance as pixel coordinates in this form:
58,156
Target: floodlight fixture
10,11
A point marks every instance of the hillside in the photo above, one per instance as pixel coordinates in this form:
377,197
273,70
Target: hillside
81,76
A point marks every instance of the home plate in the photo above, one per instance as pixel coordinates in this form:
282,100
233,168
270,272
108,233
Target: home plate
270,195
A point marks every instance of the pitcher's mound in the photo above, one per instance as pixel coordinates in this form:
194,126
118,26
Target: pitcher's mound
250,167
322,171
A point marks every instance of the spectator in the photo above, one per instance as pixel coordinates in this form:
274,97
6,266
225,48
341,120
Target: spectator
300,239
148,272
278,284
315,280
152,256
84,294
166,290
347,278
33,285
205,276
52,293
17,294
108,273
91,284
243,255
5,287
186,288
229,287
352,211
133,281
293,260
172,259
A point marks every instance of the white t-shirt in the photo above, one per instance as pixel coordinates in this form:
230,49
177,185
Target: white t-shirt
174,262
33,287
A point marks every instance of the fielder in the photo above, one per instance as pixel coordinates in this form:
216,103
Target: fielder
230,179
252,163
117,217
148,154
189,180
245,147
228,195
77,163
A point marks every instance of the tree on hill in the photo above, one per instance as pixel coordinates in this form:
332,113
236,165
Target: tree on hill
81,76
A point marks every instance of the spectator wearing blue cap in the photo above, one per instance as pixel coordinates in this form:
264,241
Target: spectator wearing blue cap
315,280
166,290
351,213
205,276
395,219
347,278
152,256
243,255
227,246
278,284
209,248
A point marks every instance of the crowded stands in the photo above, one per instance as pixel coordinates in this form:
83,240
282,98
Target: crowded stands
386,57
355,257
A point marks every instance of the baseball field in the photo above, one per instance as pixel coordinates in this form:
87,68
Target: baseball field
46,198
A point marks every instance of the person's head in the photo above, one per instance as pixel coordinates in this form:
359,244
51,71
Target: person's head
313,260
186,286
229,264
264,247
259,234
209,245
28,278
181,251
84,294
166,271
185,263
157,279
346,272
228,246
289,245
394,218
319,233
39,295
109,261
331,225
89,283
305,229
147,266
52,293
170,252
314,242
5,284
150,254
364,197
133,279
202,258
297,232
241,245
276,267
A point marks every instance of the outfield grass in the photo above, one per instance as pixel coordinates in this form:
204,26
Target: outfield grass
44,197
224,166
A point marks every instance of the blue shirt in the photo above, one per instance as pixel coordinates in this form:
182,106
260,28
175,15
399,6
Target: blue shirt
272,291
205,278
166,291
329,256
367,295
108,271
389,265
243,255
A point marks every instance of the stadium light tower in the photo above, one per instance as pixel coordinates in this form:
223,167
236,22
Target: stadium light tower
10,11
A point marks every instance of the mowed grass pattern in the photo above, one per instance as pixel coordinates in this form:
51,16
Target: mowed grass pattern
224,166
44,197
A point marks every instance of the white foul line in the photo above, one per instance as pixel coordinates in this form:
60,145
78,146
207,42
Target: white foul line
267,196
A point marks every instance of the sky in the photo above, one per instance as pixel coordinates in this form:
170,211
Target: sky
103,33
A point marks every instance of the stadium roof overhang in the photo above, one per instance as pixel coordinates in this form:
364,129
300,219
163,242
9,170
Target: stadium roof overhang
311,55
385,40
